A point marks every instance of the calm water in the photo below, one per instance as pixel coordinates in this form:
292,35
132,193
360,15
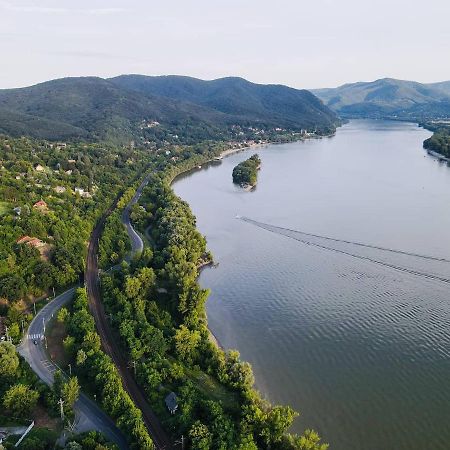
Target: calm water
361,349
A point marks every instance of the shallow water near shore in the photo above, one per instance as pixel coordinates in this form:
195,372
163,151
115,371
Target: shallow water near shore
360,348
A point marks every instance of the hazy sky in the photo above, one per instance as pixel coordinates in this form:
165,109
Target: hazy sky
301,43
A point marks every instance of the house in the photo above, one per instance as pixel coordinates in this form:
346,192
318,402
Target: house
59,189
39,168
171,403
69,172
79,191
71,161
17,210
41,205
60,145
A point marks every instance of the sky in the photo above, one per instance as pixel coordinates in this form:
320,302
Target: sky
300,43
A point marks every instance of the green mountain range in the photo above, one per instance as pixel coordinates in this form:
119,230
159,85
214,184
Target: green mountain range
114,109
389,98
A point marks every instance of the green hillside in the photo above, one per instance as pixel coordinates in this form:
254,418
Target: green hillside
389,98
125,108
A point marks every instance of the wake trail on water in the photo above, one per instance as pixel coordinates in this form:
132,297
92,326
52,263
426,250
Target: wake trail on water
285,232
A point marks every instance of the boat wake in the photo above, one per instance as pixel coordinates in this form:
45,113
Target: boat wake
302,237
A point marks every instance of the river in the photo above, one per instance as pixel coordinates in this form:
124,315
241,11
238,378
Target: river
360,348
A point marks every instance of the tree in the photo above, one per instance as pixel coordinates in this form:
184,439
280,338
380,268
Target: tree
73,446
9,361
276,422
14,332
20,400
309,440
63,315
69,345
132,287
201,438
186,342
81,357
70,392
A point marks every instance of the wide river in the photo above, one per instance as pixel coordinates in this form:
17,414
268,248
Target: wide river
357,339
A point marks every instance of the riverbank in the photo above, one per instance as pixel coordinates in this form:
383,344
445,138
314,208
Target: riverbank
277,300
438,155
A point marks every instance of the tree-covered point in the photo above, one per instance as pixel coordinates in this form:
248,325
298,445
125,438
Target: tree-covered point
440,141
246,172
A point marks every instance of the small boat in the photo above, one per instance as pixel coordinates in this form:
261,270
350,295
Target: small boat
199,167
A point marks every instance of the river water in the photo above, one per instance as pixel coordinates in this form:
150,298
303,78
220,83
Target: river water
357,339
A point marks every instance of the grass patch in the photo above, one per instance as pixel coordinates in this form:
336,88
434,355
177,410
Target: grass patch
212,389
56,333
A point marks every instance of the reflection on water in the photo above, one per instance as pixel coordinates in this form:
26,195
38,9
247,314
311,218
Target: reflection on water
361,349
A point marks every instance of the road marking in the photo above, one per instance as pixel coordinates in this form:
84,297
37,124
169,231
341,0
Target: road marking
33,337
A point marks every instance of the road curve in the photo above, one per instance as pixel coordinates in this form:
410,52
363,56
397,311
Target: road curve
109,341
88,415
137,245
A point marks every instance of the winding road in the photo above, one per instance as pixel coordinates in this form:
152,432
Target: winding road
109,341
88,416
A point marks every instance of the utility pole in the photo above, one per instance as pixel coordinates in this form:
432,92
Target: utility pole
34,306
70,369
181,441
133,364
54,295
61,408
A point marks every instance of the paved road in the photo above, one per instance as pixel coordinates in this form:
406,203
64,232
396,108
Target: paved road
137,244
88,415
109,341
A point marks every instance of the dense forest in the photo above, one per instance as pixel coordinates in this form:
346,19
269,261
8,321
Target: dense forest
246,172
440,141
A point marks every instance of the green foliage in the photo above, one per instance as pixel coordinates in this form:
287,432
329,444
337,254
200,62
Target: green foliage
19,400
439,142
165,333
52,253
186,343
98,367
201,438
39,439
63,315
246,172
9,361
92,440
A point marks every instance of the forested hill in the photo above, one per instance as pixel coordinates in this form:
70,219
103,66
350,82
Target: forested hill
389,98
120,109
271,105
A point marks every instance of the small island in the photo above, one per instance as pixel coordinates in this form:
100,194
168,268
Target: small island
245,173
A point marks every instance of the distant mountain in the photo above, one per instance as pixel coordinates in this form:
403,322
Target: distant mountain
389,98
95,108
270,105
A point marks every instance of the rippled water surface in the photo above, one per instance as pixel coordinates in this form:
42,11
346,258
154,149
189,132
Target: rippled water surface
331,328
